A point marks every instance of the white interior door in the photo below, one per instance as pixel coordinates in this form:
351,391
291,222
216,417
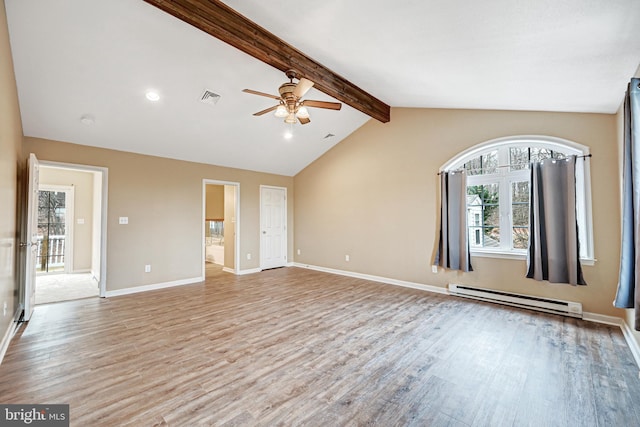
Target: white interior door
273,221
31,244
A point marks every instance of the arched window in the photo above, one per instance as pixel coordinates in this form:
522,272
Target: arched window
498,192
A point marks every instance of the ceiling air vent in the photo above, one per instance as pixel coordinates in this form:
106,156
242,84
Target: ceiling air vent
209,97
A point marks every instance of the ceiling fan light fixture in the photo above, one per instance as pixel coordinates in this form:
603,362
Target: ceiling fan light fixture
281,112
291,118
302,113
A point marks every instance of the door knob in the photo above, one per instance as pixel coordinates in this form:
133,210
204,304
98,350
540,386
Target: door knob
264,232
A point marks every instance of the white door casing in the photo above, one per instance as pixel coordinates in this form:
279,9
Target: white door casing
31,243
273,227
100,209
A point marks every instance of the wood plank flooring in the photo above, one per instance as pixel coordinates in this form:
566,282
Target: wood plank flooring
295,347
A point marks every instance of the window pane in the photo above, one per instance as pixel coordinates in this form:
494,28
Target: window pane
482,165
520,237
483,215
519,158
538,154
558,155
520,214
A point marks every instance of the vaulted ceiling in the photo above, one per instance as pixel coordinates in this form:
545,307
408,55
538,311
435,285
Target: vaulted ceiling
97,58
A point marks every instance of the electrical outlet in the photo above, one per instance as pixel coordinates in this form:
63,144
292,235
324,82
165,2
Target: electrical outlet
123,220
248,256
346,258
434,269
147,268
298,251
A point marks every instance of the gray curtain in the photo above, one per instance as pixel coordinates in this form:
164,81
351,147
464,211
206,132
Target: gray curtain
628,295
453,246
554,252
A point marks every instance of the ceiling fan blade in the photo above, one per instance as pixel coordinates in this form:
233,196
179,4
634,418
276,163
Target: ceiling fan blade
302,87
255,92
259,113
304,120
321,104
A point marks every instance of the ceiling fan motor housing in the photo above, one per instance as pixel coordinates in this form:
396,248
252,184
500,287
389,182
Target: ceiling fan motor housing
289,99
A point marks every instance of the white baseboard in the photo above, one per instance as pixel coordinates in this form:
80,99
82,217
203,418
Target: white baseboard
6,339
94,276
86,270
403,283
229,270
153,287
634,346
601,318
248,271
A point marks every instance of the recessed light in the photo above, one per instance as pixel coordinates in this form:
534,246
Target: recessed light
87,119
152,95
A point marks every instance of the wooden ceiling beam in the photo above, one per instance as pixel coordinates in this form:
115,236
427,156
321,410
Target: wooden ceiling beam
219,20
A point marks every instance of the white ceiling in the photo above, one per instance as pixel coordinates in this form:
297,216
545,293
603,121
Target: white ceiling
76,57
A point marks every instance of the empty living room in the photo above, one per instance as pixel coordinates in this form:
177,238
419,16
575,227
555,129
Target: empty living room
319,214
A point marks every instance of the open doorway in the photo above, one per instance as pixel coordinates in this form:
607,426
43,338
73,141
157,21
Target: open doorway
70,234
220,207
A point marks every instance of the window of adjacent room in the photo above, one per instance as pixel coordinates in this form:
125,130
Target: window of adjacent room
498,193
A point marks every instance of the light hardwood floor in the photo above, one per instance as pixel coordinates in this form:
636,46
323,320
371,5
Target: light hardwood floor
298,347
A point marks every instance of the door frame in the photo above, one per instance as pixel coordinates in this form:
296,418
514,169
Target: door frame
236,251
102,282
69,191
285,238
29,219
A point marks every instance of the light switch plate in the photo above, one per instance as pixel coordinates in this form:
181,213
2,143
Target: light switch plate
124,220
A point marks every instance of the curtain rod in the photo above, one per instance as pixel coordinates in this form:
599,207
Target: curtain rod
585,157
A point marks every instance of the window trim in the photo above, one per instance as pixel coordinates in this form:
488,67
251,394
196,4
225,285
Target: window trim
542,141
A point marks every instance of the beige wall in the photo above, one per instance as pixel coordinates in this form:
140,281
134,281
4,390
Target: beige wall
163,200
82,183
10,162
374,197
215,202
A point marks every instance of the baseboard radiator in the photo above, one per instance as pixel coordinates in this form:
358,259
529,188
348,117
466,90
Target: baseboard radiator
565,308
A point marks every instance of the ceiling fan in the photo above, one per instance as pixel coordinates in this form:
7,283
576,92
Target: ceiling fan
290,105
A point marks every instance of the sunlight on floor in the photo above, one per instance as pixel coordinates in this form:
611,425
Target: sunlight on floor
64,287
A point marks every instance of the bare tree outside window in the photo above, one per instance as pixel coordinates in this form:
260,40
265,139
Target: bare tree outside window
520,214
51,229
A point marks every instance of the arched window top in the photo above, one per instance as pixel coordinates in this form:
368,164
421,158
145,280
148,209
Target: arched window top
506,144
